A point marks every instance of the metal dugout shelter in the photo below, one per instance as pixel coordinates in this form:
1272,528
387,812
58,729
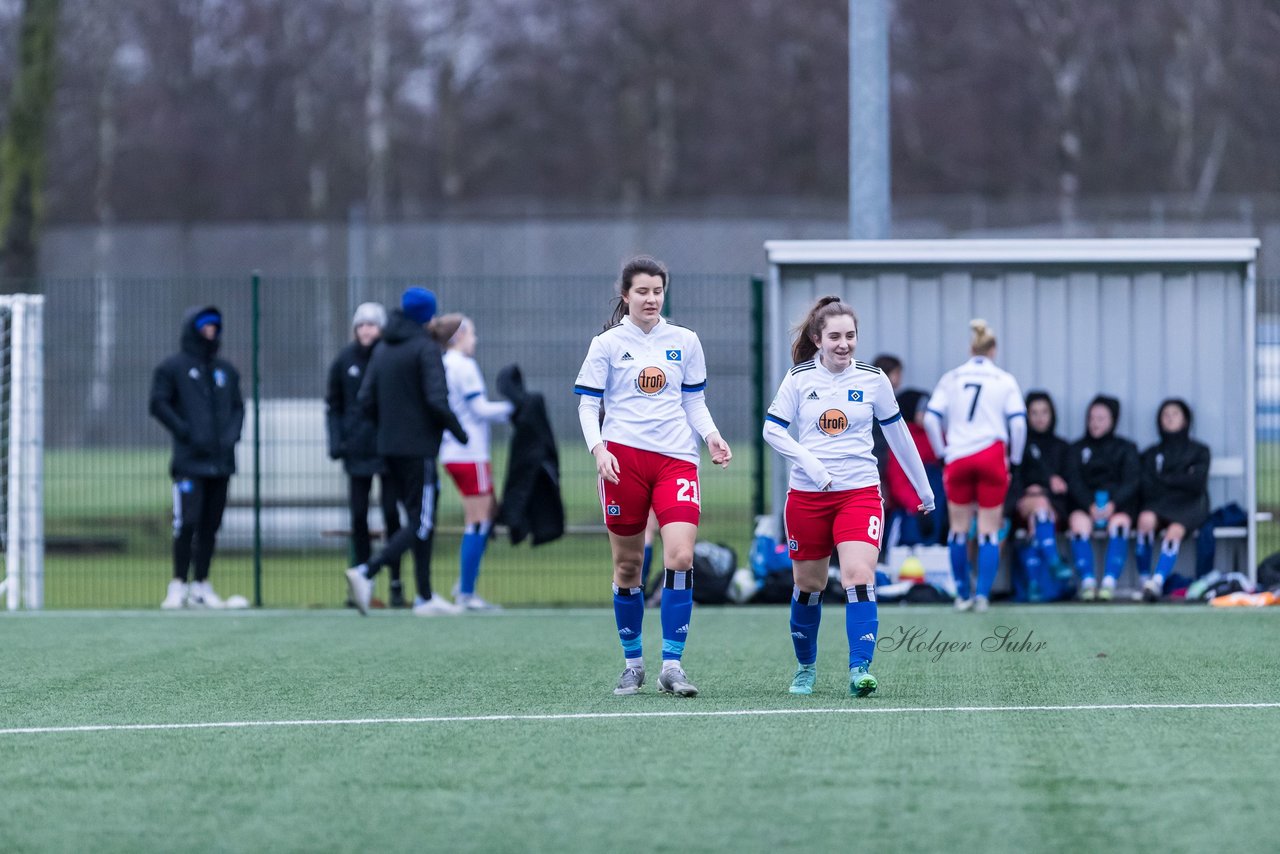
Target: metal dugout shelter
1138,319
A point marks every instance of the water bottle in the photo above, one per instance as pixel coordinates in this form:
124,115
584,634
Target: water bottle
1100,499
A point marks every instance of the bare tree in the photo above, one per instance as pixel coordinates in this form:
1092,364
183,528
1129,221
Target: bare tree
22,150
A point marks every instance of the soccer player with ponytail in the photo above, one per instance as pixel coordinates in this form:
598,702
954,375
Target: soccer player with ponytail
834,499
468,462
981,409
650,375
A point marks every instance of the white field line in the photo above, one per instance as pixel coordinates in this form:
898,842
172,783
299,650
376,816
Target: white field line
580,716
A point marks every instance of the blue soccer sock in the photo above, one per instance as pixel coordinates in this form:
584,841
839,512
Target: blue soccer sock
1044,534
1034,570
1142,549
1168,557
959,549
628,612
645,565
806,615
676,609
861,623
1117,553
474,540
1082,556
988,563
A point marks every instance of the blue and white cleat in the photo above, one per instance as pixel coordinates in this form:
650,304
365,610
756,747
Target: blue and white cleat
803,681
861,682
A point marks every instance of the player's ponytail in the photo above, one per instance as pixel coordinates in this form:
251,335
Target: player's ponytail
808,330
983,340
645,264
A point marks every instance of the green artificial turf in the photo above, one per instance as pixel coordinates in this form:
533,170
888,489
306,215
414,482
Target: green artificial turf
978,780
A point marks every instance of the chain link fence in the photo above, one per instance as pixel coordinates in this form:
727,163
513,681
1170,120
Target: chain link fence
108,492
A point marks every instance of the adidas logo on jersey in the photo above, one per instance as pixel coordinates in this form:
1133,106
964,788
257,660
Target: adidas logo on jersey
813,395
626,357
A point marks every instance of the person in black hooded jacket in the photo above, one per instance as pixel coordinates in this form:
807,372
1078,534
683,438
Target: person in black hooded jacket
406,395
196,396
1103,482
1038,496
1175,494
353,438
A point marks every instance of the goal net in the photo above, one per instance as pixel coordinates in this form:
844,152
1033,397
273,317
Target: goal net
22,449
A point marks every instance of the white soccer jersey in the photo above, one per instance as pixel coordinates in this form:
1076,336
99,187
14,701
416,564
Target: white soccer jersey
642,379
975,402
466,385
832,415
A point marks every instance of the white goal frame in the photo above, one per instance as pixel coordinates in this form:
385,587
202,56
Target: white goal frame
22,466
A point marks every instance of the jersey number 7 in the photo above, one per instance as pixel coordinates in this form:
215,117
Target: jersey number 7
973,405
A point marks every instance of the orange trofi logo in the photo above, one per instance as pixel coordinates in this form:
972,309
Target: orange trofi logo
651,380
833,422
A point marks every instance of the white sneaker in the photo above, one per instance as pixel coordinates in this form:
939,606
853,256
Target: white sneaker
436,606
201,595
176,597
981,604
472,602
360,587
963,604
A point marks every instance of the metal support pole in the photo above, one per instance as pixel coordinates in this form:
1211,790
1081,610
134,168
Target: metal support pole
869,204
256,299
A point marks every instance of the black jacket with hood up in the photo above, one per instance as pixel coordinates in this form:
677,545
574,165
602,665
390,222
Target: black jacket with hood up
1045,456
405,394
353,437
196,396
1175,474
1108,463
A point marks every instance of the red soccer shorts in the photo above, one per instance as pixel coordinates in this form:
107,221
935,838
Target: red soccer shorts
647,479
982,477
817,521
471,478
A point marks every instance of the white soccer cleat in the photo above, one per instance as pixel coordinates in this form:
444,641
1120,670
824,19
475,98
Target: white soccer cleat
963,604
176,597
981,604
472,602
360,589
436,606
201,595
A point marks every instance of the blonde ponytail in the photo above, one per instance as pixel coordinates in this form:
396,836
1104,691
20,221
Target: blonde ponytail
983,340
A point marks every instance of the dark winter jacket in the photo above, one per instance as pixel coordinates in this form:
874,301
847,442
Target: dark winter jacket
1045,456
353,437
1175,475
404,392
1108,463
531,502
196,396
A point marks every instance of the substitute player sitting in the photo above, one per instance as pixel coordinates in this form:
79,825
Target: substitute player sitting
651,375
981,409
834,496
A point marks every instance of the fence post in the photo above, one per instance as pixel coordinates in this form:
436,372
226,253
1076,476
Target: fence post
758,389
257,438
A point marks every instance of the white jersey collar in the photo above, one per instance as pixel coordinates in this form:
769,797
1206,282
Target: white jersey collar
635,327
817,361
